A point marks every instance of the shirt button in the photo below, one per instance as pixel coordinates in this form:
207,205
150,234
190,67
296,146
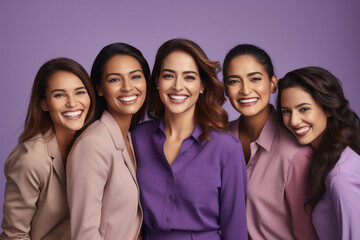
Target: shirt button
170,197
167,219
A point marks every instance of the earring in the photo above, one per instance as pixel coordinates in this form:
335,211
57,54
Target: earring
157,87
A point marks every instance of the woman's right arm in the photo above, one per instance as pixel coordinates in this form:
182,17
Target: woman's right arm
87,170
22,190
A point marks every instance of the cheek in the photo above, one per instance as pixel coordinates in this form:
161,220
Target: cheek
232,93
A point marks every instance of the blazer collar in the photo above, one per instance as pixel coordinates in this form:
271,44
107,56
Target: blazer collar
119,143
54,154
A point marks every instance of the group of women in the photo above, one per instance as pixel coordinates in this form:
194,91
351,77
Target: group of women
88,167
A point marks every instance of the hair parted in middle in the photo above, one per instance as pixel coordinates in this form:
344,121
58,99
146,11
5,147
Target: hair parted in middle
209,113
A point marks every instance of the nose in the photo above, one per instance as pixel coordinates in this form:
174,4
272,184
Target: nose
178,84
295,119
245,88
127,85
71,102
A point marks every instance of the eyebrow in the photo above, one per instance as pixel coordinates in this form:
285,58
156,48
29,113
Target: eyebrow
186,72
249,75
63,90
302,104
118,74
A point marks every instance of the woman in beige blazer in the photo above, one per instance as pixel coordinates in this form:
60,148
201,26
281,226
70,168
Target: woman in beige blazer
103,192
35,204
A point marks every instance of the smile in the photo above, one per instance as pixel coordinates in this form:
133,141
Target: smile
72,114
178,98
127,99
248,101
301,131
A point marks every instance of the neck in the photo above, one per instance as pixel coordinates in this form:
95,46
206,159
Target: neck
252,126
179,126
64,140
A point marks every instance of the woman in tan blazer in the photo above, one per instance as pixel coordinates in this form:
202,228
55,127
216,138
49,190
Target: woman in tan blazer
35,204
103,192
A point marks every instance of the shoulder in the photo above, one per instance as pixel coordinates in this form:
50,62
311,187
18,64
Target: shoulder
144,127
224,140
30,157
348,167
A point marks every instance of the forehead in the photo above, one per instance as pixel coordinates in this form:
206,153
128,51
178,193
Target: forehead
120,63
246,63
179,60
293,96
64,80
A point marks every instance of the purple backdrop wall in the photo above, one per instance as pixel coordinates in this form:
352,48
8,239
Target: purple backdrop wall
295,33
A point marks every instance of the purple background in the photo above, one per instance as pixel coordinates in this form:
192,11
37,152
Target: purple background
295,34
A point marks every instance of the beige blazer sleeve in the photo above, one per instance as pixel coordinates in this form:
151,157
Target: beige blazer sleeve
87,173
24,178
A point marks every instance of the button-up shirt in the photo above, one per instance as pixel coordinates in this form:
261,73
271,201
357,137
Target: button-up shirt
337,214
203,190
278,184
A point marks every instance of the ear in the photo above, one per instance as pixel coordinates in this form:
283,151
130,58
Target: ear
328,113
44,106
273,84
99,90
202,88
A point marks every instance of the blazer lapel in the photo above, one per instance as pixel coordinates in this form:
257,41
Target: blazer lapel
54,154
118,140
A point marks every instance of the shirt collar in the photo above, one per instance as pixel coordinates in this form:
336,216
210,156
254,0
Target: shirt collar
114,130
267,134
159,125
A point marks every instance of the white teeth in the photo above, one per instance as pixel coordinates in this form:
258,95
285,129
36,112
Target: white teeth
72,114
301,130
177,97
248,100
127,99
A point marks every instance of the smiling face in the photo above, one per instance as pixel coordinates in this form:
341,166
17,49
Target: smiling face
67,101
123,86
304,117
179,83
248,86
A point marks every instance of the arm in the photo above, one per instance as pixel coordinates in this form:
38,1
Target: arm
87,171
22,190
297,192
232,196
345,193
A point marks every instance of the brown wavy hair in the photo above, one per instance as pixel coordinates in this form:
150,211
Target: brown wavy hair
209,113
38,121
342,127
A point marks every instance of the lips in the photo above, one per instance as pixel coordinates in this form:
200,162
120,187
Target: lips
301,131
128,99
176,98
248,101
73,114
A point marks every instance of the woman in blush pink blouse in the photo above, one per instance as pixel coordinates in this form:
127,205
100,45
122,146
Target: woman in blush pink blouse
277,166
313,107
191,172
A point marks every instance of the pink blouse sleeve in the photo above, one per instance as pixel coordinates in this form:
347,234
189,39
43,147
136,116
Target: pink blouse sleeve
297,192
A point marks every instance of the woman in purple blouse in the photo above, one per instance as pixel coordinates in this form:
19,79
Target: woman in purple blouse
191,172
313,107
277,166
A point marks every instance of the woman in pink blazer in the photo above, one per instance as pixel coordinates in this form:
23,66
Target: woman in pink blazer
35,204
103,191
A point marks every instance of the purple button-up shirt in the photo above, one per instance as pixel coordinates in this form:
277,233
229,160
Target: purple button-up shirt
202,192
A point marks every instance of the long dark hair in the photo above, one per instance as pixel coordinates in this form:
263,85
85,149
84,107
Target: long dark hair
38,121
209,113
97,72
342,127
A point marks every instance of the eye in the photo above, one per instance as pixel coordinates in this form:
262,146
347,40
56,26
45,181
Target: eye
189,77
285,111
304,109
232,82
81,92
137,76
114,80
59,95
168,76
255,79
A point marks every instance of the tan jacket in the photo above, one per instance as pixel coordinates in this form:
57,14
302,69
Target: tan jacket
103,192
35,205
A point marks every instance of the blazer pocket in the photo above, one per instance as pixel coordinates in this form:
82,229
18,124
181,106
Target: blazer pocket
201,184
